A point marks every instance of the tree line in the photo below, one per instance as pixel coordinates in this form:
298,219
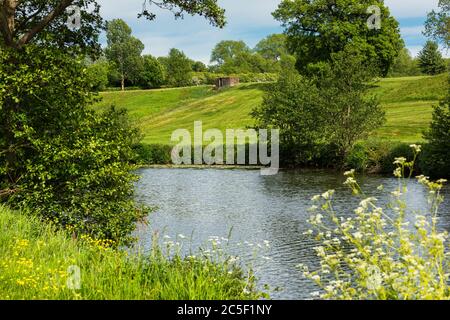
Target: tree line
122,62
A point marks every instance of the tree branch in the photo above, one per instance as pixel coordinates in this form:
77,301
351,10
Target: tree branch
28,36
7,15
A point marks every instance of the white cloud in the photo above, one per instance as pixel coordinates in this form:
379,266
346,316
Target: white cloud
248,20
411,8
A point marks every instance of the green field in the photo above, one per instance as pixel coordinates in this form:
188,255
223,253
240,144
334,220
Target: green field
408,103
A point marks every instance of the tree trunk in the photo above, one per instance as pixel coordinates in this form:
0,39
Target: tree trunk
123,83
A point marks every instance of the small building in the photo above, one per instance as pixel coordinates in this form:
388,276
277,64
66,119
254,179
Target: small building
226,82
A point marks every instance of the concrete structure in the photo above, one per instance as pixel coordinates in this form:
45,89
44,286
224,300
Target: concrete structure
226,82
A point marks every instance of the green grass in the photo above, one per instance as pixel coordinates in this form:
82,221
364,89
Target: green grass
34,262
408,103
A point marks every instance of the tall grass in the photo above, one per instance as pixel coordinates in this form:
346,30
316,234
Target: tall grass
37,262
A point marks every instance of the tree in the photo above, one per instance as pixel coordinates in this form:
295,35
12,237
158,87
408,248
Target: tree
228,50
352,113
123,50
317,28
26,21
291,106
273,47
97,74
329,111
199,66
179,69
153,74
72,164
247,62
437,25
37,21
58,157
404,65
430,59
437,152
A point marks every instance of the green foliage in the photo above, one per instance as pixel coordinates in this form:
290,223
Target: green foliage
316,29
377,156
430,59
178,67
404,65
97,74
437,152
153,74
331,108
44,22
234,57
203,78
437,25
273,47
198,66
148,154
124,51
384,253
35,260
57,156
206,8
228,50
292,105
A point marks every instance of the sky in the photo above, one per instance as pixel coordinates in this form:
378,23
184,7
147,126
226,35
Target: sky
248,20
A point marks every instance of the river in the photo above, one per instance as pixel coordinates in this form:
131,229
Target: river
201,203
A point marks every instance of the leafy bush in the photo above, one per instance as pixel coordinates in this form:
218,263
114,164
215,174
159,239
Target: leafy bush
377,156
153,154
328,109
203,78
57,156
97,75
358,158
376,253
437,153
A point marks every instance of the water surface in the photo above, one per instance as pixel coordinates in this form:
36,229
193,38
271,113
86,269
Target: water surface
211,202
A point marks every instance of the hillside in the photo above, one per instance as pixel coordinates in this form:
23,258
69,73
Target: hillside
408,103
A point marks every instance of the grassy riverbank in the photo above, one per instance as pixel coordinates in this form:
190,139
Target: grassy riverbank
38,262
408,103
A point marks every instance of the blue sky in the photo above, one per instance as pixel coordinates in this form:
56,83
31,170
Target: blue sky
248,20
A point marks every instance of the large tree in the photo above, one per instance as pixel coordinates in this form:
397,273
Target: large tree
25,21
317,28
437,25
228,50
430,59
178,68
153,74
273,47
124,51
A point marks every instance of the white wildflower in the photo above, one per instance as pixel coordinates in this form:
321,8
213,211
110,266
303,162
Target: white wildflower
417,148
327,195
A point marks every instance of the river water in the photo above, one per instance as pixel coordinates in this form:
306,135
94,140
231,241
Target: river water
204,203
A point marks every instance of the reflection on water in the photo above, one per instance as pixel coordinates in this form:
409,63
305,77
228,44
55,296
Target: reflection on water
210,202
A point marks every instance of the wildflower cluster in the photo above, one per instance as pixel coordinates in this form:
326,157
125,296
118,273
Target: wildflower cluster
99,244
215,253
381,252
23,271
